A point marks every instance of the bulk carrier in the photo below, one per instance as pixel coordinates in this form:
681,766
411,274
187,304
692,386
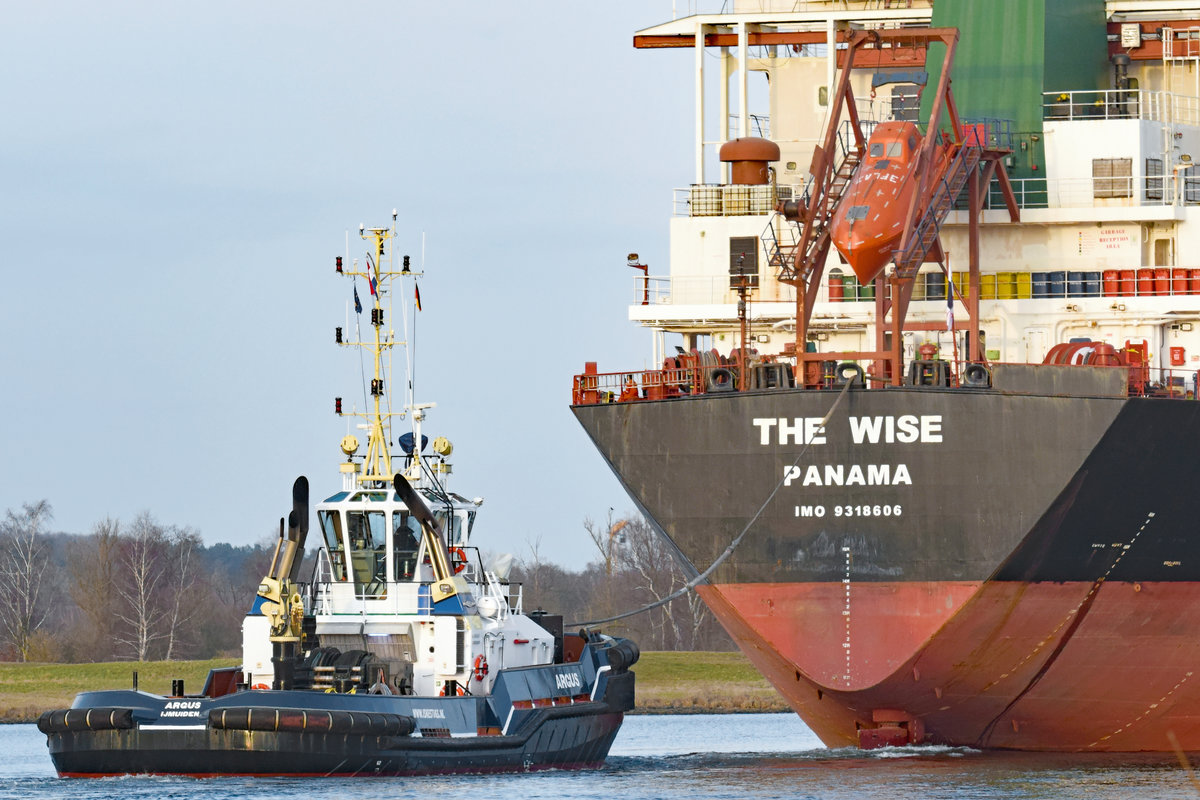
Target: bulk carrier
924,392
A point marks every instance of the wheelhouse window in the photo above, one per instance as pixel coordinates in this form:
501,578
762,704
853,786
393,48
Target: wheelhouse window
368,551
331,529
406,542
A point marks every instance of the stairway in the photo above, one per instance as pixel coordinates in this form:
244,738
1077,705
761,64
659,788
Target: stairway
784,255
949,186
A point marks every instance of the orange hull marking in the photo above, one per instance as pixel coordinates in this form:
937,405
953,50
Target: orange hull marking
808,625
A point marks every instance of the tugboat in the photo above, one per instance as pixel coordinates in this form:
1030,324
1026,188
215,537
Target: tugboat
403,653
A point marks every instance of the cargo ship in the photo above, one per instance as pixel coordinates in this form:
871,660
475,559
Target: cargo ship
397,648
922,392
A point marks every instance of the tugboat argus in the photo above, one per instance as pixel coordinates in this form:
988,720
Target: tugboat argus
399,651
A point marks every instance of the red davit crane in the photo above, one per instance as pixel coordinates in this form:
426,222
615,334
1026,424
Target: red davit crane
884,203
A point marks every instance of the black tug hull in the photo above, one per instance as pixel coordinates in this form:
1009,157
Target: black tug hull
556,716
567,738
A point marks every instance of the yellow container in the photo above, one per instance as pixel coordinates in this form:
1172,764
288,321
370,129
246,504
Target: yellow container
987,287
962,282
1006,285
918,292
1024,285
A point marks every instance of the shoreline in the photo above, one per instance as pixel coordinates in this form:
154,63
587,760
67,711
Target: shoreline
675,682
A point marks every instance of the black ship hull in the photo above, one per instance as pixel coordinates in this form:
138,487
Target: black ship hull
1016,549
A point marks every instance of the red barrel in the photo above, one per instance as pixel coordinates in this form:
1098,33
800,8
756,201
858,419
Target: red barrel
1127,283
1145,282
1179,281
1112,283
1162,280
835,287
1194,281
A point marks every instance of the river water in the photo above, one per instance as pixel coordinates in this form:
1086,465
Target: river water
667,757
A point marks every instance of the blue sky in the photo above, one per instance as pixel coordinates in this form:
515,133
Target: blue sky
177,179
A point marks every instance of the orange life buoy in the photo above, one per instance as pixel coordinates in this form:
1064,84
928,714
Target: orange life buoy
461,691
260,686
458,557
481,668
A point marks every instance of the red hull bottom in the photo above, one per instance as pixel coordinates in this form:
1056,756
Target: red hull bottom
1077,666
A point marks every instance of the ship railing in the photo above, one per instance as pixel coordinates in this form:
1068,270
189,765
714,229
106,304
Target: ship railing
760,126
1109,104
701,373
703,290
596,388
319,596
1158,185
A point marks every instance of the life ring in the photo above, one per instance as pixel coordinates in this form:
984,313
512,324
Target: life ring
260,686
461,691
458,557
481,668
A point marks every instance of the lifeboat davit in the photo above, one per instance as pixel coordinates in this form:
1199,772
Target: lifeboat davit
867,226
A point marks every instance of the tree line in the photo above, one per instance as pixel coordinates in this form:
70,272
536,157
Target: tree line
142,590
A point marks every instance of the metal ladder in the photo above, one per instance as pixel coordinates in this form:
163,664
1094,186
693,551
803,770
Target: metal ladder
783,255
949,186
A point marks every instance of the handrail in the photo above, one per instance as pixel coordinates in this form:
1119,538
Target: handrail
601,388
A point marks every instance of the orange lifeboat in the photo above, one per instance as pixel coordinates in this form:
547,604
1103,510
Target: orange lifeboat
867,226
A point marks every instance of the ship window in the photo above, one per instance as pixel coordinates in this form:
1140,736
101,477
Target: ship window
1154,181
906,102
449,525
743,261
1112,177
1191,186
331,528
876,150
338,497
857,212
406,540
895,150
368,558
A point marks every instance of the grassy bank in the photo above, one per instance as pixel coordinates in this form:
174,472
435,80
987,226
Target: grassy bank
26,690
666,683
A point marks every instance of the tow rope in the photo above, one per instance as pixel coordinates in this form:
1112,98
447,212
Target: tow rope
687,587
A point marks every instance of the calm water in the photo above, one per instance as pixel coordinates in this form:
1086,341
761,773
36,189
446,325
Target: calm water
667,757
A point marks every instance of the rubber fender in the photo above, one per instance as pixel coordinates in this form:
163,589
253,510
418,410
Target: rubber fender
85,719
622,655
296,720
720,379
976,376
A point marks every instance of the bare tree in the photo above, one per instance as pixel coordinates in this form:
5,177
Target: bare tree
180,606
144,567
657,575
93,566
22,569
